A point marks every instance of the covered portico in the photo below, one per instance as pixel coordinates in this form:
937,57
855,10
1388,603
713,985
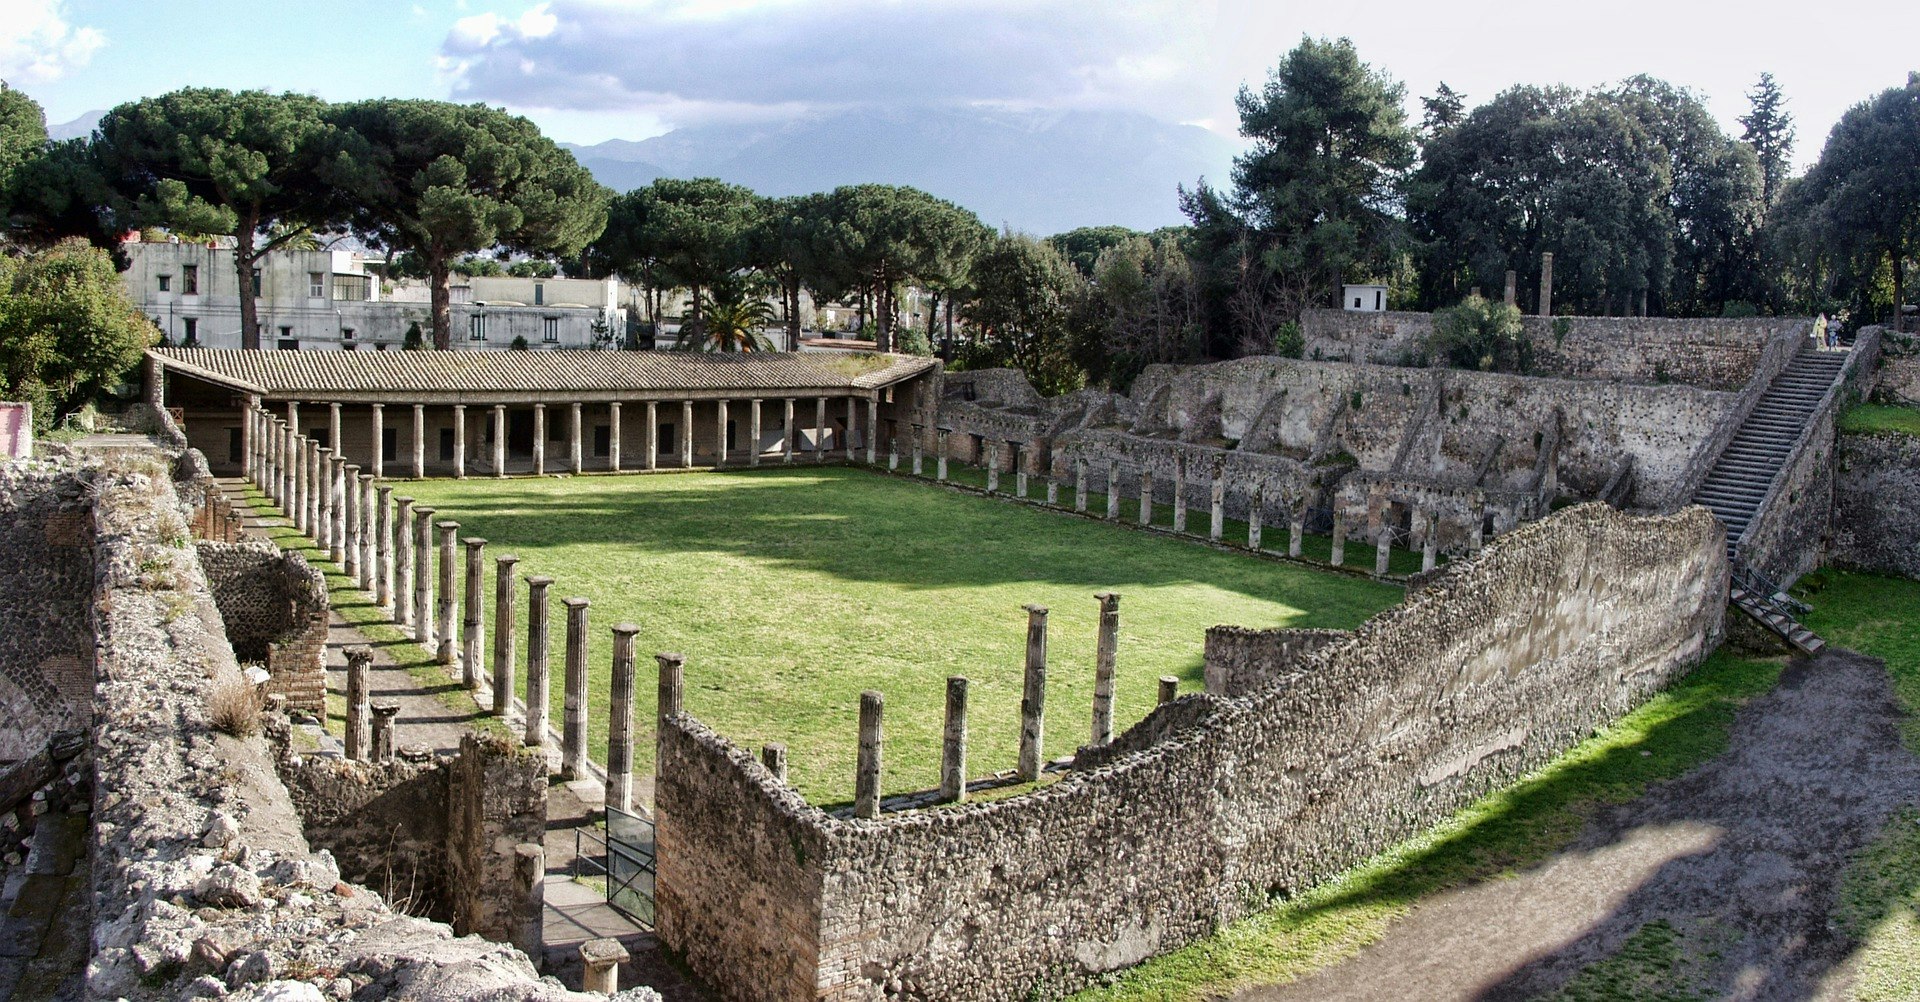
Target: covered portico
468,414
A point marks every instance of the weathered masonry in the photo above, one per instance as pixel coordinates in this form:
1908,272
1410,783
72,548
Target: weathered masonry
459,414
1317,751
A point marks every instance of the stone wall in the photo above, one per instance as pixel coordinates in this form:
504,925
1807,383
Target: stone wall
276,606
384,822
1899,377
46,571
1240,661
1712,353
1876,503
496,799
1497,664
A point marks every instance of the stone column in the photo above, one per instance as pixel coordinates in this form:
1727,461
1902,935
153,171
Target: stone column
1339,535
1169,689
499,440
419,441
503,592
449,602
773,755
359,702
1105,652
539,440
1021,461
537,686
673,673
369,536
1546,284
613,436
918,448
620,721
940,454
1179,495
893,454
574,461
1430,544
1296,528
753,432
1113,489
1256,514
866,779
383,546
249,468
1218,527
786,433
459,441
600,961
873,428
305,487
1513,287
652,437
316,493
953,743
350,489
423,579
530,883
1382,551
720,434
402,589
820,430
1033,697
383,744
337,492
1479,537
573,733
993,467
686,434
333,430
377,459
323,504
1146,496
470,621
1080,485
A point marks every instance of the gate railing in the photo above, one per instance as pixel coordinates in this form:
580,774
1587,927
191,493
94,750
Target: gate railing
624,859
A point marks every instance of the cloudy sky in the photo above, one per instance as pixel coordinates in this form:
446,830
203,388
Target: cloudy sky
590,70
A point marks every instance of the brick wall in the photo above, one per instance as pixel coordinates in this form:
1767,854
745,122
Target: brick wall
1212,805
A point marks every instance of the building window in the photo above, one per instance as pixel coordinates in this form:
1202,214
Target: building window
477,327
550,330
351,288
349,347
189,279
256,283
286,332
289,344
539,294
190,332
316,285
165,280
233,445
346,333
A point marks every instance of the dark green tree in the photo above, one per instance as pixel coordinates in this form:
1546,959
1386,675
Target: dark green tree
1767,129
63,193
23,138
1017,316
443,180
632,246
67,327
1444,110
209,161
790,242
702,227
1082,247
886,235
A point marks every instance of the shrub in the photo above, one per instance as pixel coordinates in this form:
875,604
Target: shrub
1289,341
234,704
1481,334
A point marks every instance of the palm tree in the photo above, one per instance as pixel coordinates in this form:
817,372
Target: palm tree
732,321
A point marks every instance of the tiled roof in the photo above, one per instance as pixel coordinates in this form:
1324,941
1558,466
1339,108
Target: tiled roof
437,373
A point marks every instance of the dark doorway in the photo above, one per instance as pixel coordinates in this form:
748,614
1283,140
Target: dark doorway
389,444
446,445
602,440
520,433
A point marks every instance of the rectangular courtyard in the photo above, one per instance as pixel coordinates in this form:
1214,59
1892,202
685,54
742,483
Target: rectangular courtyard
791,590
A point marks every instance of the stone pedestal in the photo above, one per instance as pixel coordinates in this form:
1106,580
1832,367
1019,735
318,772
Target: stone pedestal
359,702
383,729
600,961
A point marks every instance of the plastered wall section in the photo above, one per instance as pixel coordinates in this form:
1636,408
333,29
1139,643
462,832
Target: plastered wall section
1495,666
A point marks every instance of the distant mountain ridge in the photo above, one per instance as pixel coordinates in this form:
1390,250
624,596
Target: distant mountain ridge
1039,172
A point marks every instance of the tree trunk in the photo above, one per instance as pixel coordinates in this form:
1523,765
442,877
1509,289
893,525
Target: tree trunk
696,302
243,258
949,355
933,318
1899,286
883,310
438,274
793,312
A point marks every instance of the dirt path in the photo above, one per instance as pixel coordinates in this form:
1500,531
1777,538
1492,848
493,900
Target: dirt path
1740,859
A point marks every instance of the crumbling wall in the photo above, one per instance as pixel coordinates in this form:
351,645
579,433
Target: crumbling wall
496,799
386,824
1239,660
1494,666
1876,503
1712,353
276,607
46,571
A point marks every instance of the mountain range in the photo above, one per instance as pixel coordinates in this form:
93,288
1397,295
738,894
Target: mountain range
1041,172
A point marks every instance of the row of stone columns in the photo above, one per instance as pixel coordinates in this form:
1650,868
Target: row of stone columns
953,747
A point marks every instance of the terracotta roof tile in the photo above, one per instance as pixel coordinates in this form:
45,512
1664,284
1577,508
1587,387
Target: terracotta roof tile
438,373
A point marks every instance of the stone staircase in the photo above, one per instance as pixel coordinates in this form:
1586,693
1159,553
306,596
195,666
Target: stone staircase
1738,483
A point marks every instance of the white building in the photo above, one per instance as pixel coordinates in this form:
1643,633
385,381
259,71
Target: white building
1364,298
331,300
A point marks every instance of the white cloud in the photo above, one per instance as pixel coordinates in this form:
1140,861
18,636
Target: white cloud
38,43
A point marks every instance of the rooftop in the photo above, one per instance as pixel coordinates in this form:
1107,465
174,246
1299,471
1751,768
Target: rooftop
504,376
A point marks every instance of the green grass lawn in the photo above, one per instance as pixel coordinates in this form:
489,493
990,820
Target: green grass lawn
1866,419
791,590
